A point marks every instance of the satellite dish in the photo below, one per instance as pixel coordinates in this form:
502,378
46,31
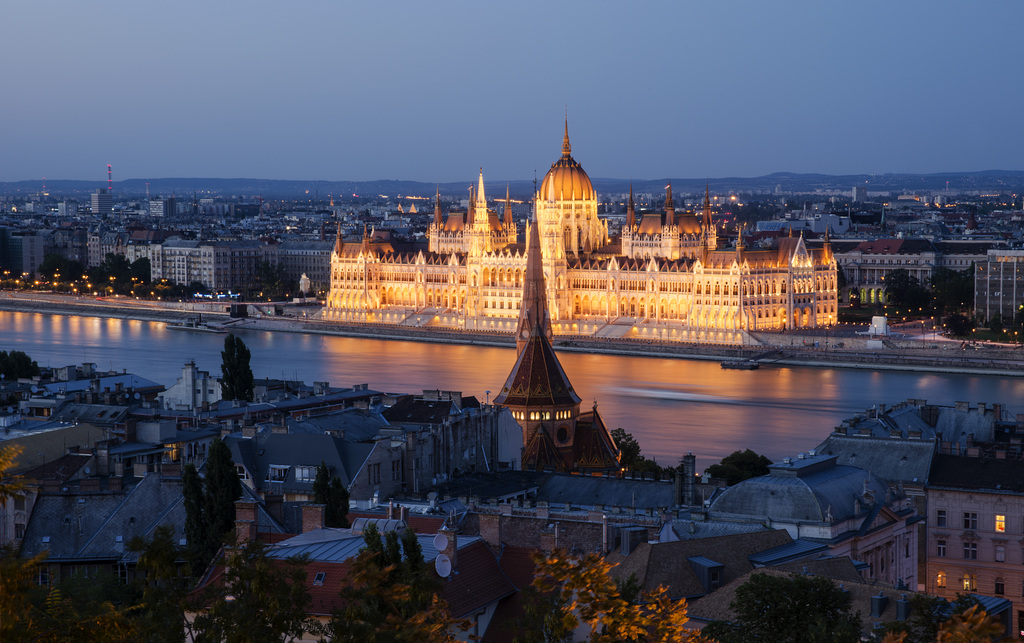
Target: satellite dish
443,566
137,396
440,542
35,389
87,471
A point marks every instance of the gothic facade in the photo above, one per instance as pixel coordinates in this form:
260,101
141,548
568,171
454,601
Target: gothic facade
664,277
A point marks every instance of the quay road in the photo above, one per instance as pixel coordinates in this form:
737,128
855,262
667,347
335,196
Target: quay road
671,404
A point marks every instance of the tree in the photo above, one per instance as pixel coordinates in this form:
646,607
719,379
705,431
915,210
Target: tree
15,364
391,595
331,492
223,488
904,291
236,375
959,325
630,457
209,505
569,592
141,270
739,466
953,290
195,522
260,600
796,609
160,616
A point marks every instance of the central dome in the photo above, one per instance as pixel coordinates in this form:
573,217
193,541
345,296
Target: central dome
566,180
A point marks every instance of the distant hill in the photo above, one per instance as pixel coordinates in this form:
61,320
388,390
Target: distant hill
991,180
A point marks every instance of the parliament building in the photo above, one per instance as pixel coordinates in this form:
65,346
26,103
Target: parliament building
665,276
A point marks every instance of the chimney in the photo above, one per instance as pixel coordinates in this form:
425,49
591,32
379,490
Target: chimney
689,479
275,506
878,604
403,514
451,546
902,608
490,530
549,538
312,517
245,510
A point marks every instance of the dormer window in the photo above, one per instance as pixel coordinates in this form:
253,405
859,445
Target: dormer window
319,578
277,473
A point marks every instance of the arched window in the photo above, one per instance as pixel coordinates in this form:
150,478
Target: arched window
970,582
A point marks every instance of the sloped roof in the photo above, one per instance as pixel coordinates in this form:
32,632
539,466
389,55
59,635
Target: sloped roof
537,378
591,491
668,564
893,460
977,473
414,410
298,449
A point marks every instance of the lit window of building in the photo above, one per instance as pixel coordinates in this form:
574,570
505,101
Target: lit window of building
1000,522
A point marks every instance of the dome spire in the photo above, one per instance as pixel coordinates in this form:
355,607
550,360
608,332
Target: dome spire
566,147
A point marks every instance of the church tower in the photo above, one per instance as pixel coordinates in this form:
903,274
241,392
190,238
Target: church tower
538,392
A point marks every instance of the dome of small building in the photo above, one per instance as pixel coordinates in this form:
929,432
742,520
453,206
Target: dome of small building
566,180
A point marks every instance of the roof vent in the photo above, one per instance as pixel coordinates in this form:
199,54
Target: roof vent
787,460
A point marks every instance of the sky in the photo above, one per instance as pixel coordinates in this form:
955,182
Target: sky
432,91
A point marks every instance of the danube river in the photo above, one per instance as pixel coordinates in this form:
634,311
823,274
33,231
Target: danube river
670,405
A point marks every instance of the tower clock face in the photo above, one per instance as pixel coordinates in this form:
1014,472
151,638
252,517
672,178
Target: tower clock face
526,333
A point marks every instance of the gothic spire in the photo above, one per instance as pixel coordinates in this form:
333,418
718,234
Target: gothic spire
630,211
534,319
481,198
670,206
437,208
337,241
365,248
508,209
566,148
470,209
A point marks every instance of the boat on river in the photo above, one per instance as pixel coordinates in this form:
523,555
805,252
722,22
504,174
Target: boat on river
197,325
741,364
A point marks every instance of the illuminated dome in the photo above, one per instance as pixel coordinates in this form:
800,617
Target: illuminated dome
566,180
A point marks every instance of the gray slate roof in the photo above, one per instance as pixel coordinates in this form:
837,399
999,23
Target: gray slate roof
589,491
297,449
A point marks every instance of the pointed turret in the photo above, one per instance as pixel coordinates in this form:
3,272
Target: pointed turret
670,206
470,210
707,225
481,198
508,209
365,248
437,208
739,240
338,244
566,147
630,211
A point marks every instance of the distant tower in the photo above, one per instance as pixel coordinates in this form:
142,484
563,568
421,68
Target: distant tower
110,180
860,194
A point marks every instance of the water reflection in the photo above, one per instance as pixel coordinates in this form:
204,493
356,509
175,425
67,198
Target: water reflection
671,406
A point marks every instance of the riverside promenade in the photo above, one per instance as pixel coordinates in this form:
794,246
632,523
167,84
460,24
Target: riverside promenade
842,347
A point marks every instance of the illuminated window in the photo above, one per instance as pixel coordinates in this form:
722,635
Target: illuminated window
940,579
1000,522
970,582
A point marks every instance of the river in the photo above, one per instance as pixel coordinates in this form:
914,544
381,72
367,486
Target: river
670,405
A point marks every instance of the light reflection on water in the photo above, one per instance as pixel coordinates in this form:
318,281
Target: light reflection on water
671,406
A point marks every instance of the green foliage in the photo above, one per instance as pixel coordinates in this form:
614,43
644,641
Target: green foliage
15,364
209,505
959,325
569,592
260,600
236,375
331,493
195,523
794,609
392,595
160,616
904,291
630,457
739,466
953,290
60,268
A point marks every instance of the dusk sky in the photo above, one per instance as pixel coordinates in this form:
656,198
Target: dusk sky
431,91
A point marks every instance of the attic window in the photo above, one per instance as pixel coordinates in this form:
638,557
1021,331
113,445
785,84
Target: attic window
46,540
319,578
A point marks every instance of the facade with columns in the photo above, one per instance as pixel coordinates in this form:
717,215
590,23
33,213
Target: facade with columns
665,278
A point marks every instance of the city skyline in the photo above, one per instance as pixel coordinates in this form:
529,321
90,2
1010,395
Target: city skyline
432,92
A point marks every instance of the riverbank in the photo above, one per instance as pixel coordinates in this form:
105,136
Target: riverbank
805,348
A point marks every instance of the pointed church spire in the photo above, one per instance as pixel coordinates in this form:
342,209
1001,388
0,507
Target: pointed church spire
481,198
365,248
707,225
534,319
739,240
437,208
670,206
470,209
566,148
337,241
630,211
508,209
